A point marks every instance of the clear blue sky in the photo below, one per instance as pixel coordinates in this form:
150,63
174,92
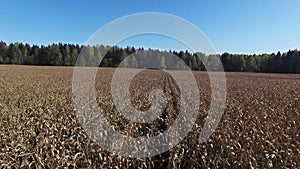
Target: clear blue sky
234,26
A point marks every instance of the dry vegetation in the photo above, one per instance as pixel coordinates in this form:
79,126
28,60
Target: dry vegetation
39,129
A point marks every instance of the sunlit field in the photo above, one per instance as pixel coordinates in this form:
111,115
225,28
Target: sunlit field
39,127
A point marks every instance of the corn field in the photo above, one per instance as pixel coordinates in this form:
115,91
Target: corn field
39,127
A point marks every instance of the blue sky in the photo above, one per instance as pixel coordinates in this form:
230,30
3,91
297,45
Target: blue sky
257,26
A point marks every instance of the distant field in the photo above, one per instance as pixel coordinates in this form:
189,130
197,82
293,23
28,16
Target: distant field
39,129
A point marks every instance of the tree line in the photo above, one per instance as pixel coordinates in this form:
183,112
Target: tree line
67,54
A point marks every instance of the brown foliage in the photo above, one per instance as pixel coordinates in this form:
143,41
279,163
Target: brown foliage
39,129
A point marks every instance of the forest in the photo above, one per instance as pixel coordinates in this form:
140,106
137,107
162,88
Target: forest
67,54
